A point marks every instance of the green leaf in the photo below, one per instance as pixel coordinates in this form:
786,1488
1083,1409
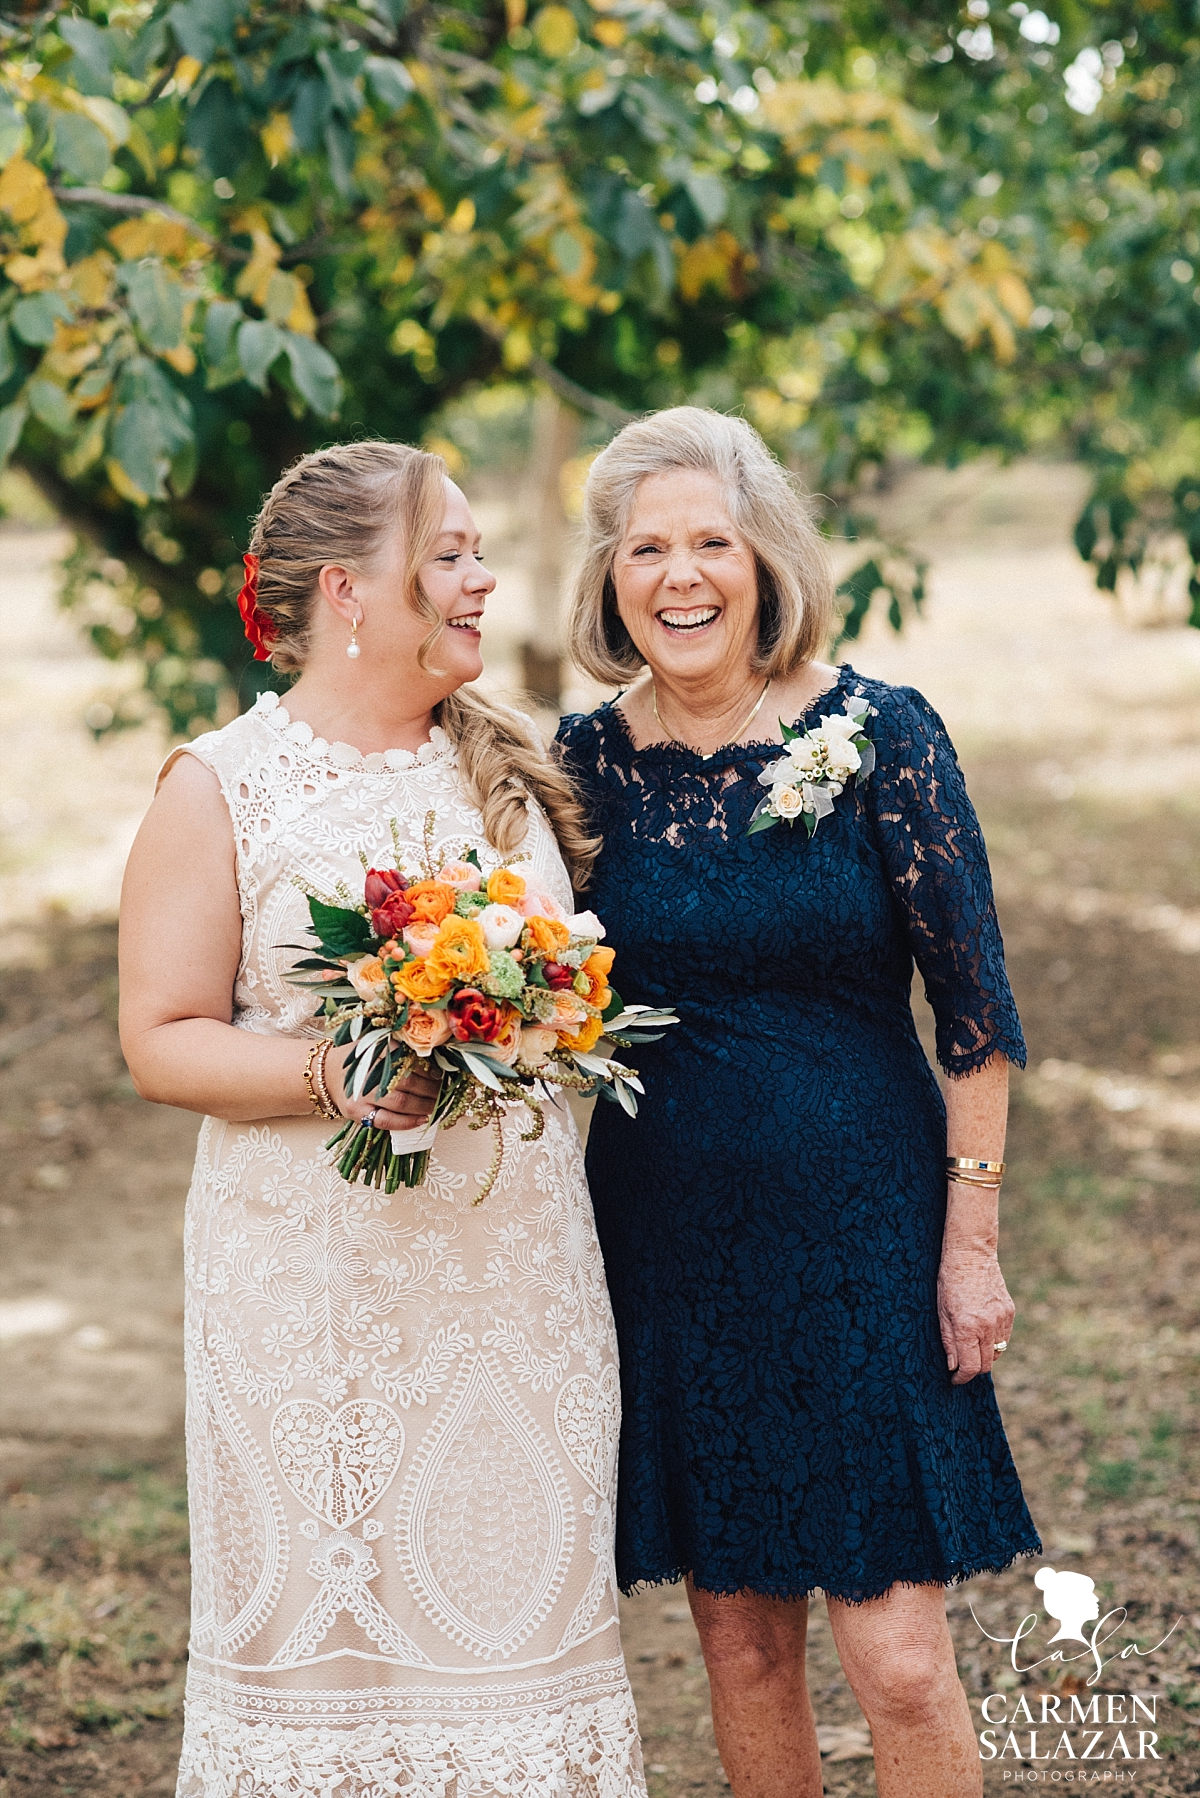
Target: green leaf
35,316
789,735
763,822
138,442
341,932
203,26
80,148
708,195
13,131
156,301
614,1008
258,344
315,373
91,65
8,360
50,404
12,423
389,81
185,465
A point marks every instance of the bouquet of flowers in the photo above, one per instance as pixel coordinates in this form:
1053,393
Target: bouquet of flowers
815,767
480,976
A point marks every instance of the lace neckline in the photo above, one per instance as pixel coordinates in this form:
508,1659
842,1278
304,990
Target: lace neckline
728,752
301,737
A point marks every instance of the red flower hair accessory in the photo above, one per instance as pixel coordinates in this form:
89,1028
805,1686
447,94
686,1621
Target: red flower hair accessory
260,631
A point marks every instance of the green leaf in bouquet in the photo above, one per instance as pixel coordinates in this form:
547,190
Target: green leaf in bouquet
471,855
763,821
340,931
614,1008
484,1069
788,734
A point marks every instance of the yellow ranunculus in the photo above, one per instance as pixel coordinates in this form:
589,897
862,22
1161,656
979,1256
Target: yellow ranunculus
546,936
417,980
504,887
459,951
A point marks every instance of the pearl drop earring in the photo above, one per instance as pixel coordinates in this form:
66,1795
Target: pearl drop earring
352,649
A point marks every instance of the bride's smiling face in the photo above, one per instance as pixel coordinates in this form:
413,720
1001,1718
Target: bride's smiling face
454,580
686,583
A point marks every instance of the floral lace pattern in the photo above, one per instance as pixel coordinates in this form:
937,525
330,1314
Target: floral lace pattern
403,1412
772,1219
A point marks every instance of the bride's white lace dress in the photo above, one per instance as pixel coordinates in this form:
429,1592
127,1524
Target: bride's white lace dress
402,1412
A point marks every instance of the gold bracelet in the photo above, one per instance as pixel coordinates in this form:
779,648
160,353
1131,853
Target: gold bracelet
969,1165
987,1183
314,1079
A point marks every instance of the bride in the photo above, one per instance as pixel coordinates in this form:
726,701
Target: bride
402,1412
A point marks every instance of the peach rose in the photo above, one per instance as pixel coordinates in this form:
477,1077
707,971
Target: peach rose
431,900
537,1040
417,980
425,1030
546,935
459,953
543,905
420,938
464,877
585,1038
570,1014
367,977
504,887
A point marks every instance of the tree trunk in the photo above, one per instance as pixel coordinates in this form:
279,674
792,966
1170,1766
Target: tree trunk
556,432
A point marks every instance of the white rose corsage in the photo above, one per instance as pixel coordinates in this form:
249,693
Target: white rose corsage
814,768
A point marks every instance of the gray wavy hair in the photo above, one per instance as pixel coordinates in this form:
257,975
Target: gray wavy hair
795,585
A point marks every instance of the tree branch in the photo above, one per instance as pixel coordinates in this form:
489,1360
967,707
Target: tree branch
607,411
137,203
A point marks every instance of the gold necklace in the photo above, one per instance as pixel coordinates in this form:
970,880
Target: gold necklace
745,724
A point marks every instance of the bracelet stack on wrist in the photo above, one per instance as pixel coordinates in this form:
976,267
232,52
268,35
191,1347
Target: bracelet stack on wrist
964,1170
314,1079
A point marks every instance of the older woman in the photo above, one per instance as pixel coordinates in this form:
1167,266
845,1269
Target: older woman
806,1287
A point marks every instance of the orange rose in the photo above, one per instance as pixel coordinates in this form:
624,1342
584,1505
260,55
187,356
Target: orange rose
504,887
417,980
585,1038
431,900
459,952
595,973
546,935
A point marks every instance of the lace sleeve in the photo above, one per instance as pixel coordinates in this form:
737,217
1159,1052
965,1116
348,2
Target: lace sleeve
936,863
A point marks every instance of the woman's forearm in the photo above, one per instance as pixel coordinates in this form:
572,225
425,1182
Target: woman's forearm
203,1065
976,1126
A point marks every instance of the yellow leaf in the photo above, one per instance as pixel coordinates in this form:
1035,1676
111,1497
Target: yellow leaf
1014,296
122,484
302,319
186,71
514,13
277,137
33,273
462,219
182,358
609,32
555,32
255,278
152,235
23,190
91,279
517,348
709,262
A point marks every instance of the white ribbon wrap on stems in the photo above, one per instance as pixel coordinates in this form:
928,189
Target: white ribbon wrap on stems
412,1142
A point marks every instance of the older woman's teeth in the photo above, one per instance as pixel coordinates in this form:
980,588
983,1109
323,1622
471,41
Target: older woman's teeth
688,621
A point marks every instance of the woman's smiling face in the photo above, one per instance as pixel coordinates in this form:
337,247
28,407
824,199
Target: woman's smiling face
685,578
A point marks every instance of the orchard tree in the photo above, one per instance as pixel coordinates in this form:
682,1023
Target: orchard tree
231,230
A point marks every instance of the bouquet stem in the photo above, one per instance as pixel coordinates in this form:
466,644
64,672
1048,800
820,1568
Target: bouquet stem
367,1154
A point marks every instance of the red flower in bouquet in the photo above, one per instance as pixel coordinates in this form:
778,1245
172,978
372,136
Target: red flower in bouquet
475,1017
384,894
559,978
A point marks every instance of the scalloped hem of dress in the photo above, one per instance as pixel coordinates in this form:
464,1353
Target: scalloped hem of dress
857,1595
588,1750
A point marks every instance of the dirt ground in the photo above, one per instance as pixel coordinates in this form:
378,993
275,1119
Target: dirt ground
1081,738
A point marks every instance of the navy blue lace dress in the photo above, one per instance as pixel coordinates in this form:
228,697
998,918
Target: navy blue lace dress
771,1221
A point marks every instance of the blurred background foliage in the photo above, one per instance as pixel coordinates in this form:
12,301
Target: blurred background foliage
232,230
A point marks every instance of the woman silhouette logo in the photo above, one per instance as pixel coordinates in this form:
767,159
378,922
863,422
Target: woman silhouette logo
1070,1599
